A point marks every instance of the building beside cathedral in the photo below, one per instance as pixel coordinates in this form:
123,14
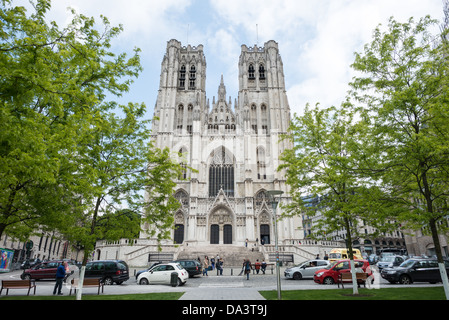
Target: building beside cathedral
234,148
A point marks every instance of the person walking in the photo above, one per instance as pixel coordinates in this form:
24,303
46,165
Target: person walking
205,265
60,275
220,267
247,268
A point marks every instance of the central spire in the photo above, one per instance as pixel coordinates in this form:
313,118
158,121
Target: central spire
222,90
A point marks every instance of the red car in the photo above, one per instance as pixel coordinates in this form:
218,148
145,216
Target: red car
46,270
329,275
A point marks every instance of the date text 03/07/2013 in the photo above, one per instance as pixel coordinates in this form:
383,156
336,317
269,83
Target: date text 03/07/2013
244,309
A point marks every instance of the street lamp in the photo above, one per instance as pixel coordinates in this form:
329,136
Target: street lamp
273,194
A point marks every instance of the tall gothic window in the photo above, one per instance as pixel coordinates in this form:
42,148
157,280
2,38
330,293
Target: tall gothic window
261,72
221,173
182,77
251,72
192,78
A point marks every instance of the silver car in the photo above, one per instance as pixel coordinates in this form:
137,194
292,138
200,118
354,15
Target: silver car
305,270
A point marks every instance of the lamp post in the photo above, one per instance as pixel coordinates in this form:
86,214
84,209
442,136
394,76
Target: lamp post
273,194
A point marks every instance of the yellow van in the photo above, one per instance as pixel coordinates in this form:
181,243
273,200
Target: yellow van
343,253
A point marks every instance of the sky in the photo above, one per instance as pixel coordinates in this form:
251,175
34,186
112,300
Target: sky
317,39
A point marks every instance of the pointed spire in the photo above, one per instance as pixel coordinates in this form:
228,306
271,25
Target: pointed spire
222,90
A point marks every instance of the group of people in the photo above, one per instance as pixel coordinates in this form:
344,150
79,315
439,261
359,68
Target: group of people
258,266
213,263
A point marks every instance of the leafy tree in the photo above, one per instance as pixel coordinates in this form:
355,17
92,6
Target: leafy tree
52,81
116,165
323,164
403,85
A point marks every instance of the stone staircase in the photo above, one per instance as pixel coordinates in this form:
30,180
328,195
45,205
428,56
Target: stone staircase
231,255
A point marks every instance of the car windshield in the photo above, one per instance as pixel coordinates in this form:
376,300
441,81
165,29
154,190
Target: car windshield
335,256
387,259
407,263
179,266
329,266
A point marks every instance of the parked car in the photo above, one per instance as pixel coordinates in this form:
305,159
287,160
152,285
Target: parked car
147,269
373,259
109,271
28,264
161,274
415,270
329,275
193,267
306,269
389,262
46,270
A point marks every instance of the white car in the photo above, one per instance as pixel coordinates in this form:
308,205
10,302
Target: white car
161,274
306,269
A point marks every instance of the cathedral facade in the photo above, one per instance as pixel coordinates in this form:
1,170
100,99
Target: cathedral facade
234,148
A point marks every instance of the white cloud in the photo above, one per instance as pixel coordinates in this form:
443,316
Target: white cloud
317,39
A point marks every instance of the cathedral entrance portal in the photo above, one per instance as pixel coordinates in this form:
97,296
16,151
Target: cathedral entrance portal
221,231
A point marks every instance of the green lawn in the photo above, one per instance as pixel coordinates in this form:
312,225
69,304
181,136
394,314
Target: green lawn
430,293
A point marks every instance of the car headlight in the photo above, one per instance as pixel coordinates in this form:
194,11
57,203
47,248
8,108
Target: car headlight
391,272
319,274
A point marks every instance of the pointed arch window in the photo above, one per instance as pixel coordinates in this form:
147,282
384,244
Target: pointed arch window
192,78
261,72
221,173
182,77
261,171
251,72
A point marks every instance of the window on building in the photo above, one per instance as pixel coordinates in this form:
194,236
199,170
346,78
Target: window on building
192,78
221,173
261,72
251,72
182,77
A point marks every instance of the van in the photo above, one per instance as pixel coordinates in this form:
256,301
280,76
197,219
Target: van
343,253
109,271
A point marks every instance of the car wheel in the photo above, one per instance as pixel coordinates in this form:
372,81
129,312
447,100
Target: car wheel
26,277
297,276
404,279
144,281
179,282
108,281
328,280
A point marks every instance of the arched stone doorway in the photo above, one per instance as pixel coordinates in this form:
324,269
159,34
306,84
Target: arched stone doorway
221,225
264,225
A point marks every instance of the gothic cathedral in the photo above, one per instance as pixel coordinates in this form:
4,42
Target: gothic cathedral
233,147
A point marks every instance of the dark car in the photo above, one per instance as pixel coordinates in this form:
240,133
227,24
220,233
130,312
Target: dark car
415,270
109,271
46,270
193,267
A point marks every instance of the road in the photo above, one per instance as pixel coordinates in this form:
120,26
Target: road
232,286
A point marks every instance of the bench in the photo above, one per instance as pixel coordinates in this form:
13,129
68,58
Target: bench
18,284
347,277
87,283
